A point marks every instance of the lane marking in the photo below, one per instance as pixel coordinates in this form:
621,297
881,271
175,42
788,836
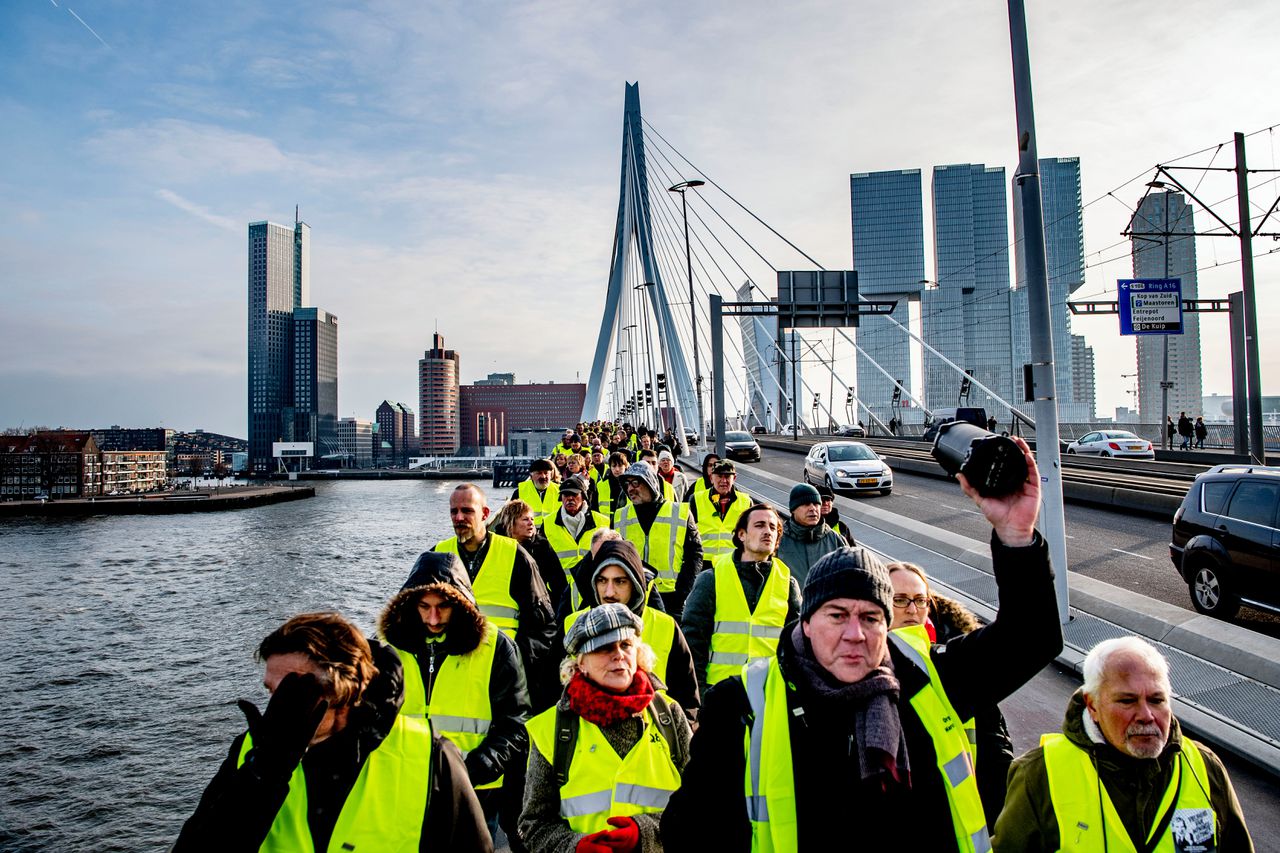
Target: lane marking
1131,554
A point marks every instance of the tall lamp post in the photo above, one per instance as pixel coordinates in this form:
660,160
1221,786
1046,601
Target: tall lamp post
681,188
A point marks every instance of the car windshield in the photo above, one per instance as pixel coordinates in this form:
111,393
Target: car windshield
737,436
850,453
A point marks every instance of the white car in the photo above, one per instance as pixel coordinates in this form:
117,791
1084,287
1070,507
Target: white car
1112,442
847,466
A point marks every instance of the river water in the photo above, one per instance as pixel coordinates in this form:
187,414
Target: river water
128,639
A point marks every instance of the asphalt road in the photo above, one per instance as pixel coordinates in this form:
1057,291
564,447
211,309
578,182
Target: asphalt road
1125,549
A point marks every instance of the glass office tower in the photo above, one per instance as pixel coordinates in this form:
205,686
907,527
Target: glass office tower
888,255
315,381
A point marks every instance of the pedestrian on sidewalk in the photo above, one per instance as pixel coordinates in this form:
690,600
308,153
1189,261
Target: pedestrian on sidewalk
1202,432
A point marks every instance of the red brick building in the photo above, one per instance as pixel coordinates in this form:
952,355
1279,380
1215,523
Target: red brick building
489,412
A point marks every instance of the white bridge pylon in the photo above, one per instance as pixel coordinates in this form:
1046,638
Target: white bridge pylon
638,337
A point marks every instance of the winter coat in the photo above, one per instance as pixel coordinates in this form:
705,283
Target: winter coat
1135,785
699,619
536,633
237,809
801,547
1184,426
976,670
541,827
1202,431
682,685
401,626
548,564
831,519
952,619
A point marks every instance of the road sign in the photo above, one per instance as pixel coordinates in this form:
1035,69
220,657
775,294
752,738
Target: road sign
1150,306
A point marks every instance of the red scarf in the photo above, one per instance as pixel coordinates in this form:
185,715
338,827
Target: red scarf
604,707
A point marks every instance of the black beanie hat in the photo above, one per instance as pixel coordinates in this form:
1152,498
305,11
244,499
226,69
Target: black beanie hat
801,494
848,573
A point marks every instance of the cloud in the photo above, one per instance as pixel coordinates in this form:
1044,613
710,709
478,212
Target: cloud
199,211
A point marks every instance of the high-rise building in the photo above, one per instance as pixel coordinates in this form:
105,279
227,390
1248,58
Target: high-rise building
768,374
490,412
396,438
356,439
888,255
315,381
1060,201
438,372
1163,247
1082,384
965,313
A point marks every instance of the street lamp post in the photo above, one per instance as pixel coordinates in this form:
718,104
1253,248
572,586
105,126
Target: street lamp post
682,188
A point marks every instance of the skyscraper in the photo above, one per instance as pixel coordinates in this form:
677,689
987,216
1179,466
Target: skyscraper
1064,266
1169,254
315,381
279,282
965,315
888,255
438,379
396,440
768,374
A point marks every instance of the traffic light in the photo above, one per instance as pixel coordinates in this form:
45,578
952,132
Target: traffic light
662,383
848,398
648,393
965,384
897,393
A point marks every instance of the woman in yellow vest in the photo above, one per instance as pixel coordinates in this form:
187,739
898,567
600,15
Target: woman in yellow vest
629,744
331,765
464,676
852,735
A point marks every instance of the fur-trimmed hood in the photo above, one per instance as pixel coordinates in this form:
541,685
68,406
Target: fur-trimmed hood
950,618
441,573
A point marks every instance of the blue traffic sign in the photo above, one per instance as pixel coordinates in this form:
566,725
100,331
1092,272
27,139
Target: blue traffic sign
1150,306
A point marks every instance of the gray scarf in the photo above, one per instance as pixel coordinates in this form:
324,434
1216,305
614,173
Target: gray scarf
877,732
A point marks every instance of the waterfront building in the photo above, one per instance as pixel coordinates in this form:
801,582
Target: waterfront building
63,464
965,310
497,379
1083,386
116,437
355,437
133,471
888,255
768,372
438,381
490,412
314,406
535,442
397,440
1167,249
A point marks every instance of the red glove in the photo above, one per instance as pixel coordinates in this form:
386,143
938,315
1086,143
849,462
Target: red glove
626,838
592,844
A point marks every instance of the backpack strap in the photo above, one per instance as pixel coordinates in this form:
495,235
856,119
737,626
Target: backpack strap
664,719
566,740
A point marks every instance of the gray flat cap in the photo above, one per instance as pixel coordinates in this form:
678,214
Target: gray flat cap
600,626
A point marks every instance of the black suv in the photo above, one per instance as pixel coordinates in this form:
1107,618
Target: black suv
1226,539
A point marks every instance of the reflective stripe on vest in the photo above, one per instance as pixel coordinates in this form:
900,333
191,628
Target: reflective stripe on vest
741,635
659,634
384,809
663,547
1089,822
950,743
717,533
542,506
492,583
460,708
770,786
602,785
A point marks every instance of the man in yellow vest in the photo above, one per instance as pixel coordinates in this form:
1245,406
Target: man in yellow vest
508,588
663,533
1121,776
570,529
538,491
464,676
331,765
716,511
737,610
611,494
853,732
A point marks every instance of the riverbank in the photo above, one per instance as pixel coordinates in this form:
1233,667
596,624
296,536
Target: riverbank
392,474
199,500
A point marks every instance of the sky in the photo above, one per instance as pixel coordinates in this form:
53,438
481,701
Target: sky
458,166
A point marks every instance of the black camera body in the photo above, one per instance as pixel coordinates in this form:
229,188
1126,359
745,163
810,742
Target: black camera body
993,464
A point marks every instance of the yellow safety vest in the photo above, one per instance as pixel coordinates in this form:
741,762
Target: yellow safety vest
602,785
570,551
769,786
663,548
384,809
739,634
659,634
717,533
700,484
492,583
542,506
1087,819
460,709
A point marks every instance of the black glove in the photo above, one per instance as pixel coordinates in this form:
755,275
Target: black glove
281,736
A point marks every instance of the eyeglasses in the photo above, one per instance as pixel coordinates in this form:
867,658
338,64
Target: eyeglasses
902,602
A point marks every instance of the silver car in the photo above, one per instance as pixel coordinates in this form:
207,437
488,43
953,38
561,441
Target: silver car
1112,442
847,466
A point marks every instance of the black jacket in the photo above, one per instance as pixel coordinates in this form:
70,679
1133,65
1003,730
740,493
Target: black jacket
976,670
401,626
535,633
237,809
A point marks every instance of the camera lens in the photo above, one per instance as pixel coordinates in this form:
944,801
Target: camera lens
993,464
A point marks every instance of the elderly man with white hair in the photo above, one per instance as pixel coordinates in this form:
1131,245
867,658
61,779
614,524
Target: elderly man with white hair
1121,776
